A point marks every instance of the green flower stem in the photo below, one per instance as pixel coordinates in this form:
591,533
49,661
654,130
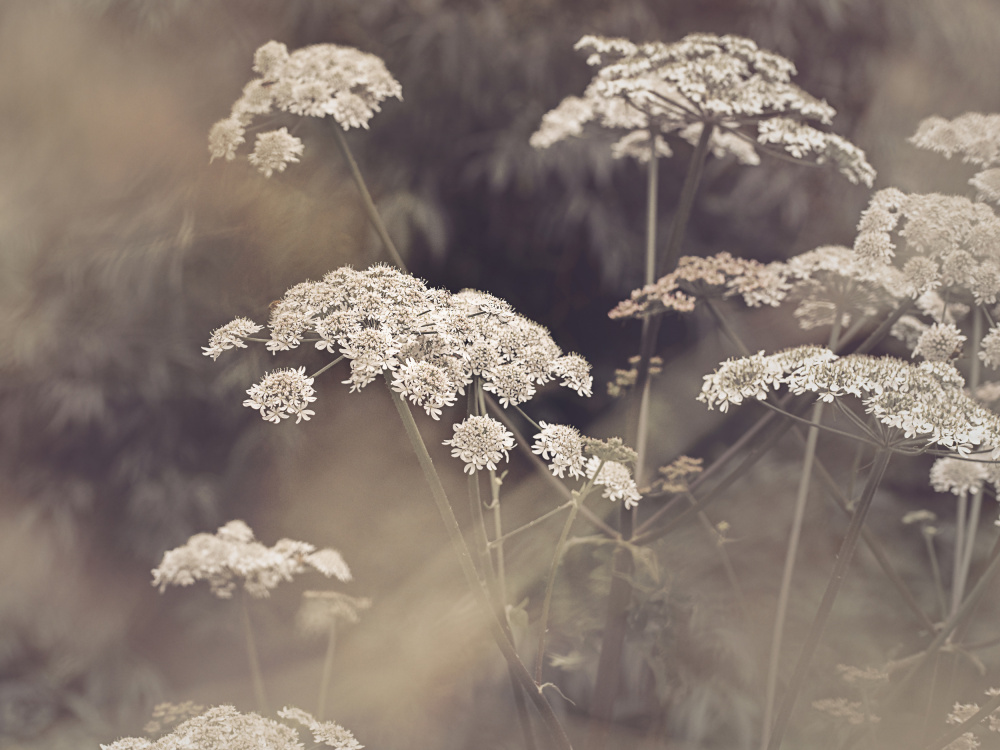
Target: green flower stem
873,544
612,644
498,541
798,517
844,557
549,587
517,668
496,590
935,573
522,443
953,621
785,589
366,198
327,674
553,569
724,324
256,676
956,569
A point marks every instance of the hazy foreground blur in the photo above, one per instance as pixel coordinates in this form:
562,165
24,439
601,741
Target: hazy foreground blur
121,248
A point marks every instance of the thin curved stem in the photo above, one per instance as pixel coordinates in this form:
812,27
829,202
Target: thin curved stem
517,668
833,585
549,588
256,675
366,199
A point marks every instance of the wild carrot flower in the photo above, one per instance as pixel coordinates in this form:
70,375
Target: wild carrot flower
616,478
924,401
956,476
939,343
480,442
282,394
232,554
230,336
431,343
327,733
315,81
562,446
721,275
957,235
221,726
744,93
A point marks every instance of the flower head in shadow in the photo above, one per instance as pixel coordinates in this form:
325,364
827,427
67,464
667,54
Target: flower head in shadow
744,93
316,81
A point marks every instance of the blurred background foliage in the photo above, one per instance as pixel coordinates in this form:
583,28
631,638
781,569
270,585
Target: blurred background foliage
121,248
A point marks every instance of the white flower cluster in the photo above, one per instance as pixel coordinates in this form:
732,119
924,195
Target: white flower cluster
973,135
220,726
327,733
925,400
562,446
431,341
315,81
950,242
225,727
230,336
282,394
720,275
616,478
939,343
233,554
724,81
481,442
958,477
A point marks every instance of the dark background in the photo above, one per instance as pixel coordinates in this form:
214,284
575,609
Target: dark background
122,248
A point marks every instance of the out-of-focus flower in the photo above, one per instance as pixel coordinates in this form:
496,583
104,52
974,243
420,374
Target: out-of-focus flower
939,343
221,726
327,733
315,81
744,93
232,554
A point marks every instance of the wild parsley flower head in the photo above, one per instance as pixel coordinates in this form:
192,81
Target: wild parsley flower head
481,442
721,275
925,402
724,81
230,336
431,343
616,478
233,554
327,733
282,394
958,236
562,446
315,81
939,343
220,726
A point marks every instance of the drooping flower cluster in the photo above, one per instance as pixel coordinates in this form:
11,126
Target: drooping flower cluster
315,81
720,275
480,442
225,727
233,554
432,342
230,336
924,401
726,82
